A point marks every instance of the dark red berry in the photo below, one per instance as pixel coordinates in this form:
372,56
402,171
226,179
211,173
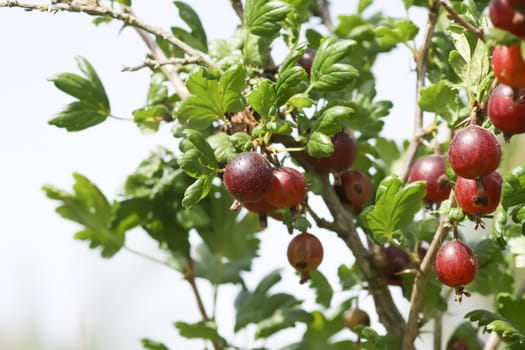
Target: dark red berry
307,59
506,108
342,157
456,266
355,189
479,197
305,254
508,65
396,260
459,345
248,176
356,317
431,169
287,189
504,16
474,152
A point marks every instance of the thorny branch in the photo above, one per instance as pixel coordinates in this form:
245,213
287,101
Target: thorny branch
156,64
95,9
422,276
421,67
453,15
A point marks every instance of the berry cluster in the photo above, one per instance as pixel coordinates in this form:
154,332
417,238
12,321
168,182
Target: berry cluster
506,105
260,188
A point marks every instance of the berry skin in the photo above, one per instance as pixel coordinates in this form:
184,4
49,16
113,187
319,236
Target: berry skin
432,169
479,197
287,189
456,266
504,16
506,108
342,157
248,176
305,254
474,152
355,189
508,66
307,59
356,317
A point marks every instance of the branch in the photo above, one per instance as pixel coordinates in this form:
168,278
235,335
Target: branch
169,71
104,11
156,64
453,15
189,275
421,68
237,6
343,225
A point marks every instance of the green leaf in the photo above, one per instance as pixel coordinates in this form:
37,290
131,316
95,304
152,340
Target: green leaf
229,235
88,206
328,70
197,191
396,31
394,209
222,147
191,18
467,334
212,97
513,191
442,99
271,312
495,323
201,155
472,67
512,309
263,98
149,344
331,119
200,330
149,118
262,17
92,106
319,145
493,274
363,5
322,287
78,116
289,82
242,141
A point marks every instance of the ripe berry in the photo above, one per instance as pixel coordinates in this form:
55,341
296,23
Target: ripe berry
396,260
248,176
307,59
506,108
474,152
287,189
432,169
356,317
508,66
355,189
455,266
479,197
341,158
504,16
305,254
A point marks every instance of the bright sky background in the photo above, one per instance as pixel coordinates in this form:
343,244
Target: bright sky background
55,293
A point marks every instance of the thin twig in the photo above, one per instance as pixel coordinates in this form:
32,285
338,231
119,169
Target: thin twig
149,257
104,11
189,275
326,19
149,63
170,72
237,6
453,15
421,68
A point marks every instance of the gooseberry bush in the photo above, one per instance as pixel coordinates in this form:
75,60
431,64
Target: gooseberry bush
260,138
